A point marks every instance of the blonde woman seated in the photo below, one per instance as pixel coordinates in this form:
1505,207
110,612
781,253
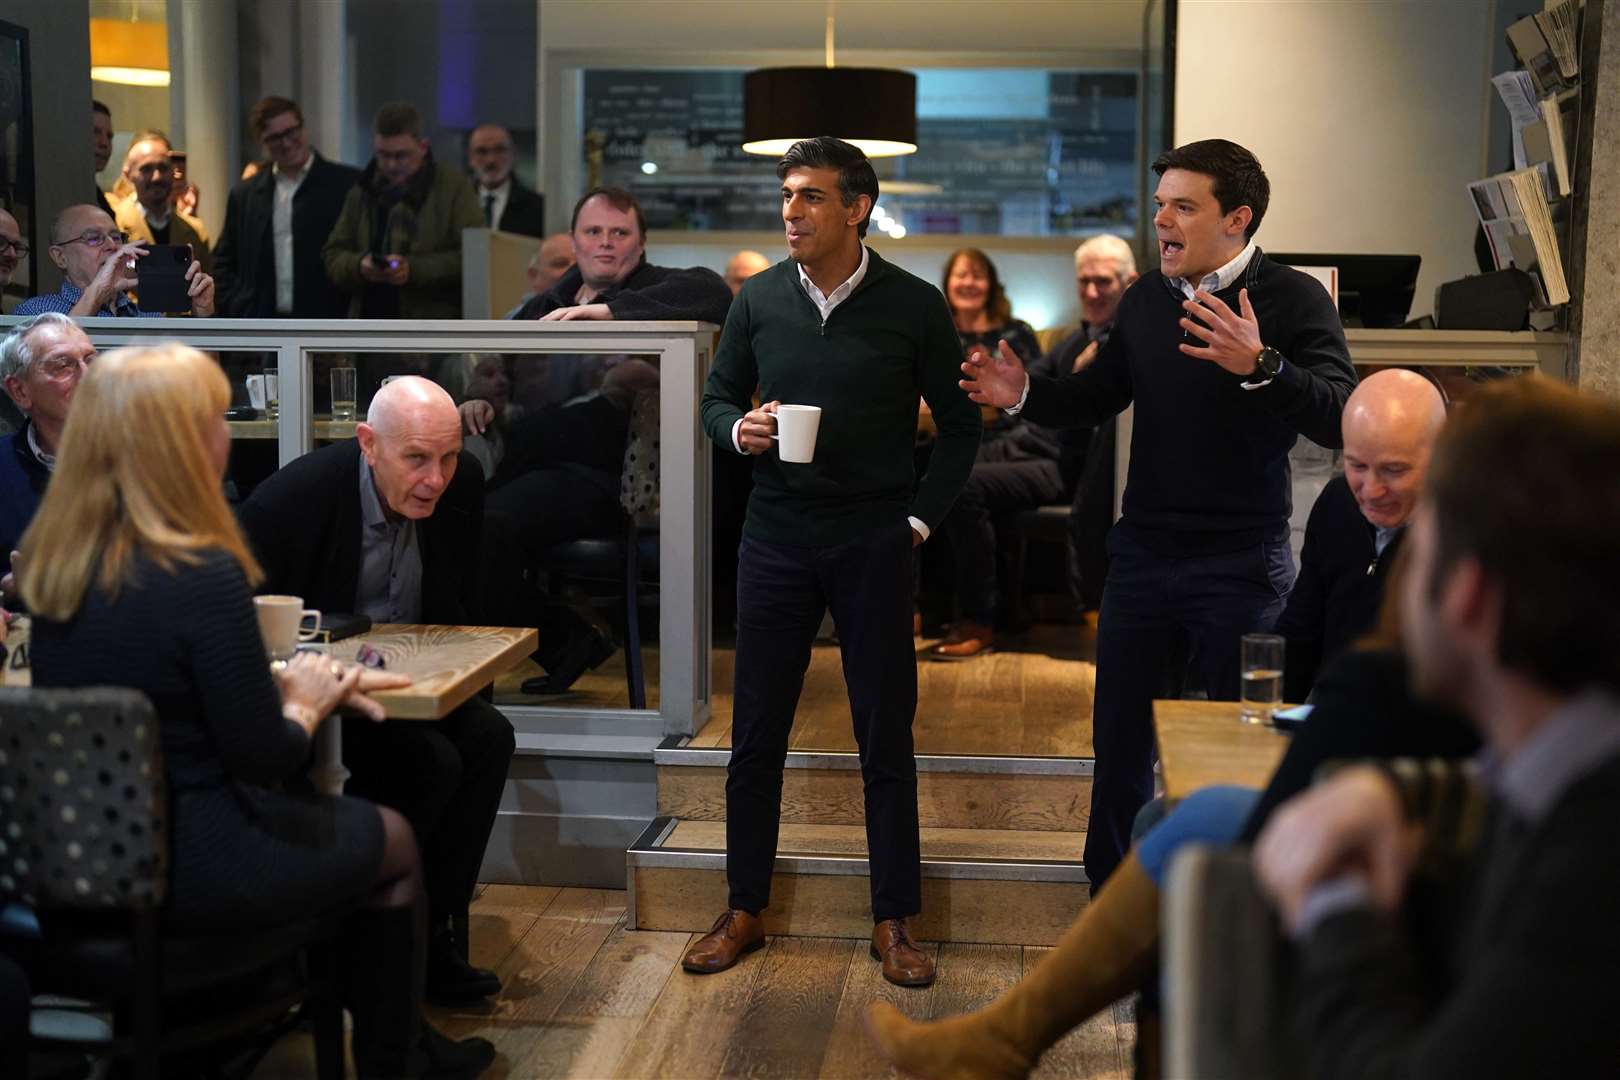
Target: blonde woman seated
138,576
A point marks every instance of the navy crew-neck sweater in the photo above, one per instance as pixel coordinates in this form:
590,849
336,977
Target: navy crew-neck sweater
1209,460
889,342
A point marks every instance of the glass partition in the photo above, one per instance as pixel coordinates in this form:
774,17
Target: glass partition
595,476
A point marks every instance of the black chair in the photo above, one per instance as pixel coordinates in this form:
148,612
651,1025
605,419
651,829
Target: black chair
84,843
1042,525
624,563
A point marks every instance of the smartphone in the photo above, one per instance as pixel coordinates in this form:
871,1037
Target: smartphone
161,278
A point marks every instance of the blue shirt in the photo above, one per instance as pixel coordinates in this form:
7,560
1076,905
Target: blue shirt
63,299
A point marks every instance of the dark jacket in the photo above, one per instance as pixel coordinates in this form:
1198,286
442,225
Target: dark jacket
22,486
650,293
244,257
1339,588
423,224
525,212
1209,460
304,525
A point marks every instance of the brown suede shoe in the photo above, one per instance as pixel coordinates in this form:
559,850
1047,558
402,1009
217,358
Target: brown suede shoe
904,964
967,640
736,932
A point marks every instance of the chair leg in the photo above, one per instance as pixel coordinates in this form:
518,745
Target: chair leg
324,1006
145,1010
632,619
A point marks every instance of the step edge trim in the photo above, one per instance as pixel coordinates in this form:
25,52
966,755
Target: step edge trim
719,757
957,868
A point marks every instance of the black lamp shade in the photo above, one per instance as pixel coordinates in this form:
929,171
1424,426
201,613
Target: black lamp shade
873,108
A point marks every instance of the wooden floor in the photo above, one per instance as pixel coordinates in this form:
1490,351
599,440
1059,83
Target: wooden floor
584,997
1031,697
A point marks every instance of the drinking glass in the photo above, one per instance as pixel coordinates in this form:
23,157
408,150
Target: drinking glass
1262,677
343,393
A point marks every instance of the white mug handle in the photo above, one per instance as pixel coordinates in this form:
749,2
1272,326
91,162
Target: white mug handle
313,632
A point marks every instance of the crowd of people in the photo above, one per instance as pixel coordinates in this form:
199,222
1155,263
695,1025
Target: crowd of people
1454,593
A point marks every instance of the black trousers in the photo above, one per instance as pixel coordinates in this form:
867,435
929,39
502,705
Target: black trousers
995,487
781,594
1157,611
446,777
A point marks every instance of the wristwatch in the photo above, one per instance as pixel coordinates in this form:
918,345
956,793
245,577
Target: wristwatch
1267,363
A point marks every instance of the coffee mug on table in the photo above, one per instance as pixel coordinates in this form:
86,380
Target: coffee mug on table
796,427
281,620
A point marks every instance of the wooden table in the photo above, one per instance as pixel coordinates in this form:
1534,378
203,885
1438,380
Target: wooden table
1203,743
447,665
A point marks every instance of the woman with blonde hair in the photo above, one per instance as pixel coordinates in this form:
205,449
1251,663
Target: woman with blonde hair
138,576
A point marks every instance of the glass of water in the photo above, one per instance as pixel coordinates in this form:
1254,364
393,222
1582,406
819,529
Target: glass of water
343,393
1262,672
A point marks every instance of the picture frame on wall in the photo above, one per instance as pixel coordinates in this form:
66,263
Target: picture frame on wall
17,191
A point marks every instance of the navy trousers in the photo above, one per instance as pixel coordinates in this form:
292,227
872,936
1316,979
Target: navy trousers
782,591
1157,611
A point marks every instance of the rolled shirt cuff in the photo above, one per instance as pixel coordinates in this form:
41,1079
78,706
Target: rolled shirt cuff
1018,408
735,444
1330,898
916,523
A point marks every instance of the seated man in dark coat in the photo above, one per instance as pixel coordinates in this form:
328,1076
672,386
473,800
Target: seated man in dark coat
1390,424
389,526
612,279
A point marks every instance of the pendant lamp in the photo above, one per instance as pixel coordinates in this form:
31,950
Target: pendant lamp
873,108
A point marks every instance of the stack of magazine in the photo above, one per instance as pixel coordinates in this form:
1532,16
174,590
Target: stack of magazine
1513,210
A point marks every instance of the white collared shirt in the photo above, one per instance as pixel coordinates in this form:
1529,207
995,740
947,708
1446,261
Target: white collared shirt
281,214
1215,280
502,196
47,460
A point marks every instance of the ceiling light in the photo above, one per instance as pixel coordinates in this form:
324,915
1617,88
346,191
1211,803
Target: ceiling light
135,53
649,167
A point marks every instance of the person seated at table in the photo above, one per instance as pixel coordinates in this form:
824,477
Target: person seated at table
139,577
98,269
1390,423
1364,708
1018,463
611,277
388,525
41,363
1461,923
557,480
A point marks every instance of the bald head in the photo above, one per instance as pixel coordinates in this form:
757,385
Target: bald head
550,262
744,265
1390,424
411,439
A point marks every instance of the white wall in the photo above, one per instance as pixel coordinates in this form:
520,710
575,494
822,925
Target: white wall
1369,118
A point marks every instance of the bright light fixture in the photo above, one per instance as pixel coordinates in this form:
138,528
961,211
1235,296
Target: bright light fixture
130,76
649,167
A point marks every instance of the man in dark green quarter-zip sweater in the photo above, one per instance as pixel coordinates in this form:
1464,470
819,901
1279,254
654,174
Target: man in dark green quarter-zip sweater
834,326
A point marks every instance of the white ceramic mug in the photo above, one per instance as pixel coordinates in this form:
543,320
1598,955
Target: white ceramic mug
796,427
264,393
281,624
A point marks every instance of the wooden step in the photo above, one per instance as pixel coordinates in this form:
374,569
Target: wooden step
995,886
953,791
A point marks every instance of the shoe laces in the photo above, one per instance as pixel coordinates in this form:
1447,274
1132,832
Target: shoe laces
723,923
902,935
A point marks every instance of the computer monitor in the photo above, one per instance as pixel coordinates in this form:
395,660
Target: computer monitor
1374,290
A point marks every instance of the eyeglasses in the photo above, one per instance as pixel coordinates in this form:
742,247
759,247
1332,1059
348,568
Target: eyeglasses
65,367
94,239
280,137
14,247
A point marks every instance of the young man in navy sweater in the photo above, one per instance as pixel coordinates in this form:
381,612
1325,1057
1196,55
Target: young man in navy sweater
1227,357
836,326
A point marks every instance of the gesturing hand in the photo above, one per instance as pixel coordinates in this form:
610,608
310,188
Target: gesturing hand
1231,340
997,380
476,415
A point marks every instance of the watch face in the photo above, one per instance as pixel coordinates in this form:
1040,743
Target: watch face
1269,362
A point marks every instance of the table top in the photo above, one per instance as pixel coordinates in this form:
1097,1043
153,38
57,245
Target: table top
1203,743
447,664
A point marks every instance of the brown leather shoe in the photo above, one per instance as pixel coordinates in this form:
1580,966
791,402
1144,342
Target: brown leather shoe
904,964
967,640
736,932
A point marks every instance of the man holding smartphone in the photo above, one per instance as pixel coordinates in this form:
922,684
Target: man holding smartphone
98,267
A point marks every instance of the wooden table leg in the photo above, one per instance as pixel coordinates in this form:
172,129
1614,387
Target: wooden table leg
328,774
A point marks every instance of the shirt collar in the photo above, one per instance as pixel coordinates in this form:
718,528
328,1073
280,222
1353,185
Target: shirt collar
1575,740
498,190
294,178
47,460
1216,280
843,290
157,223
372,514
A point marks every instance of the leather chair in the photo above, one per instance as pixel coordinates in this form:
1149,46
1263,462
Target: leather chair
84,843
623,563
